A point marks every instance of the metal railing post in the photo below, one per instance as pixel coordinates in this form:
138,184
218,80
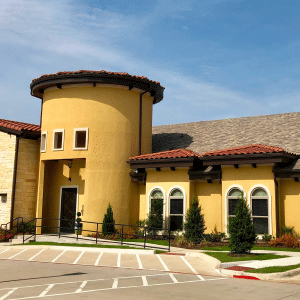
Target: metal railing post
59,229
35,221
5,233
122,230
145,236
169,240
97,233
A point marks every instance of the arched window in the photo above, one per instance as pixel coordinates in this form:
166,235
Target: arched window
157,202
260,210
233,198
176,209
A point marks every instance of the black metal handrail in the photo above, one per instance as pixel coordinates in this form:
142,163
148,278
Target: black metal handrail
141,232
11,227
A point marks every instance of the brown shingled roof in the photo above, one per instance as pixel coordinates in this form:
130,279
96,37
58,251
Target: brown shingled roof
248,149
178,153
279,130
19,126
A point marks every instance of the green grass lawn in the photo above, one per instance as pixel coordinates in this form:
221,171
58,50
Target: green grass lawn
224,257
226,248
276,269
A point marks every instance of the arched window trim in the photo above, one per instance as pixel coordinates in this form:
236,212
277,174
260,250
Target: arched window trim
262,186
164,199
169,202
234,186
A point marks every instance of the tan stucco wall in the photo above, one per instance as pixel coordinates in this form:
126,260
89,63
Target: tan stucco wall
210,199
289,192
166,180
27,179
7,158
112,116
247,177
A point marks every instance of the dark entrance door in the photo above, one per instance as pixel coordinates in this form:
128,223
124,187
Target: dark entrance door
68,209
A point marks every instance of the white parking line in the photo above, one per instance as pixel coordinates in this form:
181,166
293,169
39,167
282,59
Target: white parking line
81,286
9,293
162,262
31,258
145,282
173,278
115,284
98,259
50,286
17,254
119,260
58,256
77,259
139,261
188,264
3,252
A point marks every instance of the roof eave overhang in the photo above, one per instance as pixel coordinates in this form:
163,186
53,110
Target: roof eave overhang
162,163
38,86
205,176
266,158
27,134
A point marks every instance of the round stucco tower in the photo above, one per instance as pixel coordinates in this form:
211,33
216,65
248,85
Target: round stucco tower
91,123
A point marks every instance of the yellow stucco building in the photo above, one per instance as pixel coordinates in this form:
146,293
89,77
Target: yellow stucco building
98,146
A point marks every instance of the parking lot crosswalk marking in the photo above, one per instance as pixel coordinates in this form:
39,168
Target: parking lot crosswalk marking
173,278
58,256
188,264
50,286
115,284
8,294
4,251
98,259
139,261
145,282
34,256
119,260
17,254
162,262
79,256
81,286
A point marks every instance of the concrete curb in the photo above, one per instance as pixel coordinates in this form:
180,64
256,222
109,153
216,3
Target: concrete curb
260,276
90,249
215,263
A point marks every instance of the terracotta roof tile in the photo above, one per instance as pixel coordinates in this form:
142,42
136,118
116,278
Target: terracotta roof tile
19,126
96,72
248,149
177,153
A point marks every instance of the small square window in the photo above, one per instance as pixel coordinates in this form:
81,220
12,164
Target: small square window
44,141
58,139
3,198
80,138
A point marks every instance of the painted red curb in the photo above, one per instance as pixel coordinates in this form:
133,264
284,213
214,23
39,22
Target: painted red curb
245,277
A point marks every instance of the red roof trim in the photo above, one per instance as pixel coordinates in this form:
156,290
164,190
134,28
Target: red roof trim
19,126
244,150
177,153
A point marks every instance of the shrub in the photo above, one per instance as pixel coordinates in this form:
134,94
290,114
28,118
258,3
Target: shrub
108,226
194,226
242,232
287,230
155,219
267,238
128,233
214,236
286,240
140,231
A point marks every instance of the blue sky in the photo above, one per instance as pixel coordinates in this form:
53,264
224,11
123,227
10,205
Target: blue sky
217,59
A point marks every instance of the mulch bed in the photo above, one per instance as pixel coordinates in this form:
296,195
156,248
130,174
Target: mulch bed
238,268
209,244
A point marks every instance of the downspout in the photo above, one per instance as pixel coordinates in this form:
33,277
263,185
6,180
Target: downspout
140,122
277,206
13,193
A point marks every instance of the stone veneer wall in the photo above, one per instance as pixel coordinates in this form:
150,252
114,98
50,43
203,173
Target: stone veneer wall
7,159
27,179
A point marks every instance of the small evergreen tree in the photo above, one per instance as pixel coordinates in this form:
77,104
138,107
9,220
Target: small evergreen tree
194,225
241,230
108,226
155,220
